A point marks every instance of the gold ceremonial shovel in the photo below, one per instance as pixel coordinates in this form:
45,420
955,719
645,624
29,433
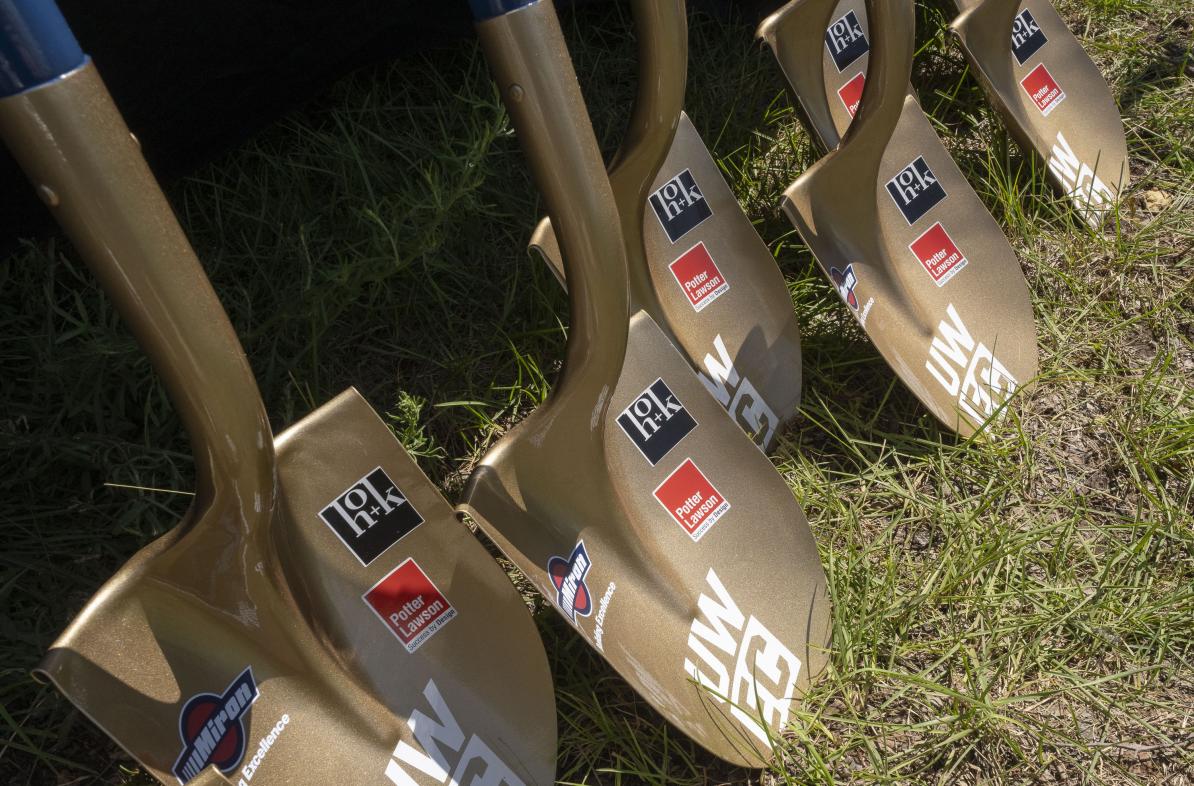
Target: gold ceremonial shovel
907,243
318,617
1051,96
630,498
701,271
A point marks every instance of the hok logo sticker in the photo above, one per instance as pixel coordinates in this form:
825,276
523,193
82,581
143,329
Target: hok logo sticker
736,393
1027,37
1043,89
212,728
938,253
851,93
445,756
656,421
1089,193
967,369
409,604
846,41
691,500
370,516
739,661
698,277
680,206
568,576
845,281
915,190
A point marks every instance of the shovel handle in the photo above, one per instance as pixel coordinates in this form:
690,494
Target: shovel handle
893,26
529,59
66,133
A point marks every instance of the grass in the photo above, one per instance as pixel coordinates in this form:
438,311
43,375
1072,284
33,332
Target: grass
1015,610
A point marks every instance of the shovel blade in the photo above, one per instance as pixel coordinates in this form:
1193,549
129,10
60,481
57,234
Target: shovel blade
399,653
720,294
1051,96
696,576
926,271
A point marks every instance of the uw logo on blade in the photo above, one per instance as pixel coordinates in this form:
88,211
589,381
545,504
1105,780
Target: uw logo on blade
915,190
1027,37
371,515
656,421
680,206
212,728
846,41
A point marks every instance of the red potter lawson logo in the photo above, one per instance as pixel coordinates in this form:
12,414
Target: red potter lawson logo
410,604
851,93
698,276
691,500
1043,89
938,253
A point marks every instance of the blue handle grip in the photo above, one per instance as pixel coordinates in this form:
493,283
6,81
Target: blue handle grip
488,9
36,45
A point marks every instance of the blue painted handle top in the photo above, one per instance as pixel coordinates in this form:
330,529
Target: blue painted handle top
36,45
488,9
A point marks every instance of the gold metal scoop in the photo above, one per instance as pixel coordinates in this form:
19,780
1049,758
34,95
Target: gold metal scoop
318,616
907,243
630,498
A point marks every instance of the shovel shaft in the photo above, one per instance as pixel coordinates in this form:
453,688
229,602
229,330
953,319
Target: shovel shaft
526,51
70,139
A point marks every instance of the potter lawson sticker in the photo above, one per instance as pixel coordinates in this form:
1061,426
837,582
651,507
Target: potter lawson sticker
656,421
691,499
1027,37
409,604
915,190
938,253
212,728
1043,89
568,576
846,41
698,277
680,206
371,515
851,93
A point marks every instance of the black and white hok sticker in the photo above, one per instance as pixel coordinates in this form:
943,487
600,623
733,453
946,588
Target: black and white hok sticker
680,206
915,190
846,41
1027,37
371,515
656,421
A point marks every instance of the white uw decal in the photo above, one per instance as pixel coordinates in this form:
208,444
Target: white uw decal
968,369
763,669
436,733
1089,193
736,393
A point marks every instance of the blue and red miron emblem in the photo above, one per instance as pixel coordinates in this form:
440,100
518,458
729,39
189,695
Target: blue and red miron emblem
568,576
212,728
845,283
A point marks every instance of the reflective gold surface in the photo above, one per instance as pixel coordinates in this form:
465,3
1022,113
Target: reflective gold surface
739,605
725,304
956,326
245,627
1080,137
